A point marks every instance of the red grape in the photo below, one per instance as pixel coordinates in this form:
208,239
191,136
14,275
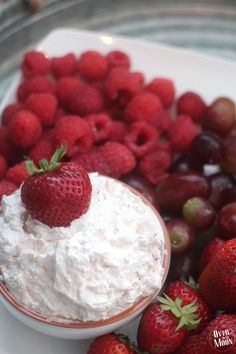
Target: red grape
199,213
229,155
228,195
206,148
181,235
182,266
183,164
219,183
220,116
176,189
227,221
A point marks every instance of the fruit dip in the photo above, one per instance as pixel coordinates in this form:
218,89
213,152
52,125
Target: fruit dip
103,263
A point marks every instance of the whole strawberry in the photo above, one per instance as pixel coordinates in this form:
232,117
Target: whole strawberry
218,280
57,193
111,344
189,295
219,336
164,325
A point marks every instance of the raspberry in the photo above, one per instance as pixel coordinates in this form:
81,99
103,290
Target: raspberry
119,158
44,149
24,130
163,146
182,131
122,82
93,161
86,100
65,88
35,63
164,89
118,131
142,138
164,121
100,125
144,106
17,174
35,84
7,149
154,166
10,111
92,65
64,66
6,188
75,133
3,166
118,59
191,104
60,113
44,106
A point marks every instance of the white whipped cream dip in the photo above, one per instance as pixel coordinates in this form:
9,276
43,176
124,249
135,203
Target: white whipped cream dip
99,266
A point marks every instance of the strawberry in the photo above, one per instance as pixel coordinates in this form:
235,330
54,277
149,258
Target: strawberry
220,335
57,193
164,325
111,344
189,295
211,249
218,280
196,344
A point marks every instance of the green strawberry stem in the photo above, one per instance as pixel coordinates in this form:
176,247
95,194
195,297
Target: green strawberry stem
190,282
46,166
188,318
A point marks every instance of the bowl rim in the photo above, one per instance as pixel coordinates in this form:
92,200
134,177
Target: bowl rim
116,318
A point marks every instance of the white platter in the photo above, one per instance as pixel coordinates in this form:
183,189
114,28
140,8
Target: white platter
190,71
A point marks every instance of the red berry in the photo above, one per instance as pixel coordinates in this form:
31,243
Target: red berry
85,100
144,106
164,89
57,197
100,125
217,282
7,149
196,344
75,133
64,66
41,150
118,131
141,138
65,88
60,113
181,235
3,166
117,59
121,82
25,129
190,295
157,331
154,166
93,161
227,221
220,117
111,344
119,158
164,120
182,132
44,106
17,174
209,252
9,112
191,104
229,155
6,188
92,65
35,84
35,63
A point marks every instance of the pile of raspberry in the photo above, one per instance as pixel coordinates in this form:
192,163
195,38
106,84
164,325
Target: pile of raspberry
110,118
